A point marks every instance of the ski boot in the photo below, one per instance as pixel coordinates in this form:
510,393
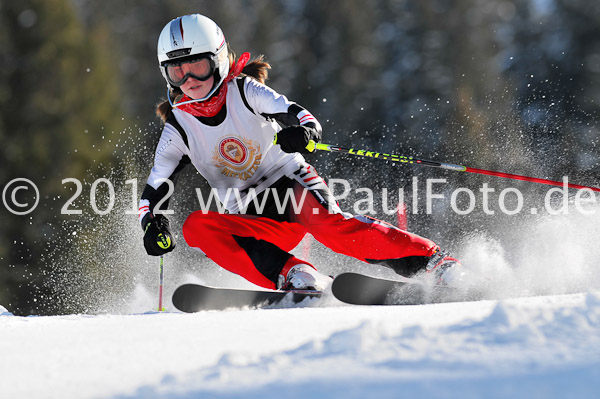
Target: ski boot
303,277
445,268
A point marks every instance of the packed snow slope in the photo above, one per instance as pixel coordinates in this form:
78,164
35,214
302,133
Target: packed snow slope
533,347
537,334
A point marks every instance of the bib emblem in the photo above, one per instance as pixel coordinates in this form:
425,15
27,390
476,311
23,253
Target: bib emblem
237,157
233,150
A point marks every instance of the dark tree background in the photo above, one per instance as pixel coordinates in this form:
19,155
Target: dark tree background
497,84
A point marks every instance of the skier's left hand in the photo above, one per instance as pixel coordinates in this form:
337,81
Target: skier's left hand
296,138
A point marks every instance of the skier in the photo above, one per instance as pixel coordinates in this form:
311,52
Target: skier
246,140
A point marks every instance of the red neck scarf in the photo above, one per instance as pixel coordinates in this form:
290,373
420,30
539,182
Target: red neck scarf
212,106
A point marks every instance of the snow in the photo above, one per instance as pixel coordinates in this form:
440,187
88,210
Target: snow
538,346
536,336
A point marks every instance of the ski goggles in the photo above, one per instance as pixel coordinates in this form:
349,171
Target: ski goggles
201,68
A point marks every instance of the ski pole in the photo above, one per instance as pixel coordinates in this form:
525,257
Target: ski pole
161,264
312,146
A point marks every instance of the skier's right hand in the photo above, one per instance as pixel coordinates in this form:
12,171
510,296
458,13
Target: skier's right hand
158,239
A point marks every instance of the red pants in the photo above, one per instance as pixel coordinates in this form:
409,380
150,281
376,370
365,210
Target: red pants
256,247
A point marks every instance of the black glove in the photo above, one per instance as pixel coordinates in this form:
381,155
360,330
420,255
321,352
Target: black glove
295,138
158,239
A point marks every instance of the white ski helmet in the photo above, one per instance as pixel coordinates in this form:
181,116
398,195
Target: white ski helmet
192,37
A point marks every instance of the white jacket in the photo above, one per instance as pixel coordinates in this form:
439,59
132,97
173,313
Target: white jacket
238,153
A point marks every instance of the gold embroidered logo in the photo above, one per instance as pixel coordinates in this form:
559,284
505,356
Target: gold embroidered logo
237,157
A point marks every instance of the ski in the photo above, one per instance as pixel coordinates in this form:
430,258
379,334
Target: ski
191,298
359,289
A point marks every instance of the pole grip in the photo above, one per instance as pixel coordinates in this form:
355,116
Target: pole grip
313,145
